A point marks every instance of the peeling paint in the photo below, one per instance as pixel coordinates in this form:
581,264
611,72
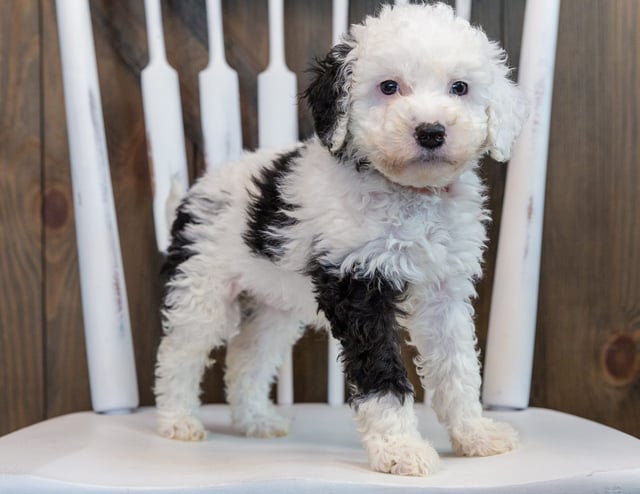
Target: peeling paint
108,210
528,234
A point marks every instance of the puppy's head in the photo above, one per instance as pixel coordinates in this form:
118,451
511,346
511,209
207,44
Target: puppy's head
418,94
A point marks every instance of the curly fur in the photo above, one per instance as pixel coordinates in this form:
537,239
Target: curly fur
363,229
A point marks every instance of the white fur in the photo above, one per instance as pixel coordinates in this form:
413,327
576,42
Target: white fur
418,220
391,439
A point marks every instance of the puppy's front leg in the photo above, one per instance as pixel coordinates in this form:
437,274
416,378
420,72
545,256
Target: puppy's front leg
362,312
443,331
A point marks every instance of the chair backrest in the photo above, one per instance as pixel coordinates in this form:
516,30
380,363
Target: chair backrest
109,346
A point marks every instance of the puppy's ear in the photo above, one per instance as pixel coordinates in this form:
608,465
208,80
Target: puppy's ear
328,95
507,112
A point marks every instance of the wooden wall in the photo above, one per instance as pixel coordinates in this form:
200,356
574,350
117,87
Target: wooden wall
587,349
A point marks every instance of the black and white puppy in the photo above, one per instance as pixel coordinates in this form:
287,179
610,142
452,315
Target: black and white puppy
373,225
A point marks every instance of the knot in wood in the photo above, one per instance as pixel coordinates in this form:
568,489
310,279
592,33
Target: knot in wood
56,209
621,358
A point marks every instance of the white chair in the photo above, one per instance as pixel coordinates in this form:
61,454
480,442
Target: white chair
114,451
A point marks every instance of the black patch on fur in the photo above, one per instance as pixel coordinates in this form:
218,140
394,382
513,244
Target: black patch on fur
326,91
179,250
363,313
268,211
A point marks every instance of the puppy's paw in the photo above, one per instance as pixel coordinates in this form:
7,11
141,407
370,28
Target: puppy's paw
183,428
401,455
264,425
483,437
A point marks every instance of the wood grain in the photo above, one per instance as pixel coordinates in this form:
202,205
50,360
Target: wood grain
67,385
590,282
21,331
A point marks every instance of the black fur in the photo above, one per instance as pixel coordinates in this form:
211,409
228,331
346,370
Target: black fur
179,250
363,313
268,211
326,94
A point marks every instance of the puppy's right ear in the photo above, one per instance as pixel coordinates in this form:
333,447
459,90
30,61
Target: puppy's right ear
328,96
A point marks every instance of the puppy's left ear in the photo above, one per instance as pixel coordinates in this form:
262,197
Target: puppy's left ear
328,95
507,112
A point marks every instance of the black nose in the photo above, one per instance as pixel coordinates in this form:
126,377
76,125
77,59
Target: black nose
430,135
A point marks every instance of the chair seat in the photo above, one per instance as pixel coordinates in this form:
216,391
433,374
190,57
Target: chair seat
87,452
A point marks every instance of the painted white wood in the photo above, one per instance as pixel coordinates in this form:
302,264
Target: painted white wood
84,452
284,392
509,355
105,309
335,376
219,97
463,9
277,89
163,123
339,20
278,128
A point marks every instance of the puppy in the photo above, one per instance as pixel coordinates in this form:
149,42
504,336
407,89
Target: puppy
373,225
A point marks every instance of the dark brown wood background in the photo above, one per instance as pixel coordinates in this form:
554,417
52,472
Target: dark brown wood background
587,347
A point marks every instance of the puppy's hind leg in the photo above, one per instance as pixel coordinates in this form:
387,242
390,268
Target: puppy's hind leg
253,358
199,315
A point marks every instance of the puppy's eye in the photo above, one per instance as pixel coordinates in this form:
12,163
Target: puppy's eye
389,87
459,88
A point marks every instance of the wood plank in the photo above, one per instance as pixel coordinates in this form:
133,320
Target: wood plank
360,9
186,40
310,356
21,332
307,37
590,262
65,359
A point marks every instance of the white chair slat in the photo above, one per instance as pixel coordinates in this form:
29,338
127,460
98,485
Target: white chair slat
219,98
512,322
463,9
335,376
163,124
112,371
